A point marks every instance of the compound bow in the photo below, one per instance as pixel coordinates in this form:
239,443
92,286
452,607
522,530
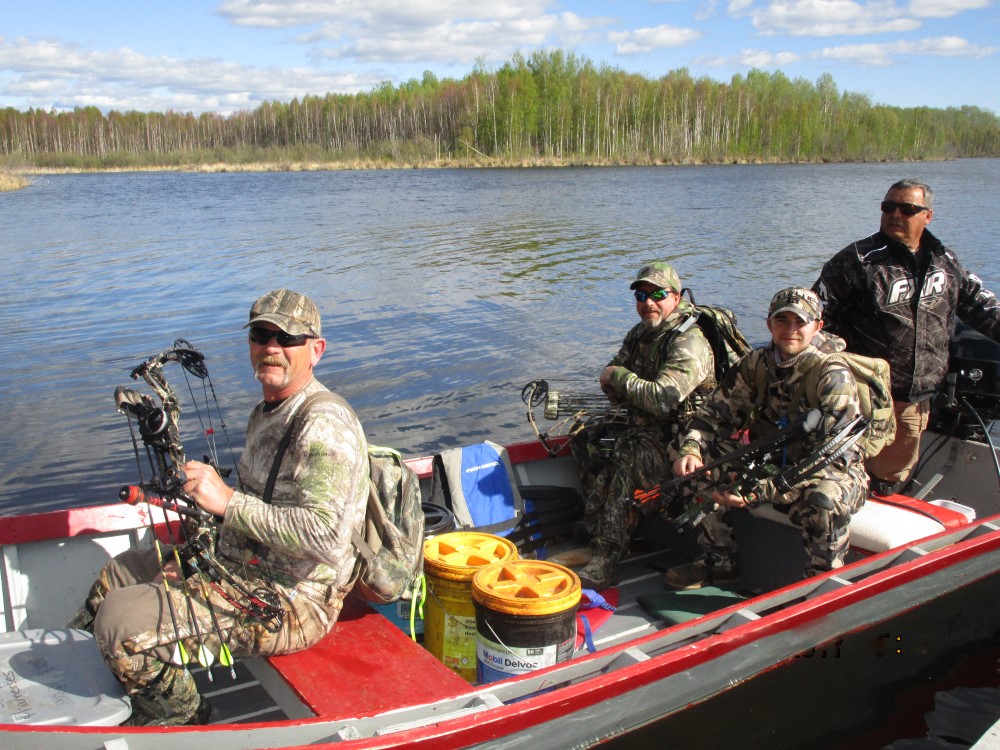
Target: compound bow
686,500
160,434
573,410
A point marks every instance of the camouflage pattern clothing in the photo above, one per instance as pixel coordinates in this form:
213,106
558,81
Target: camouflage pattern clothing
656,372
822,505
886,301
299,544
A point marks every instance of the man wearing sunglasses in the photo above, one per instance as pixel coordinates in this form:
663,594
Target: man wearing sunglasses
895,295
294,540
662,362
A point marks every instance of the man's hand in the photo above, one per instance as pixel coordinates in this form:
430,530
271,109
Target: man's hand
207,488
609,389
687,465
730,499
170,571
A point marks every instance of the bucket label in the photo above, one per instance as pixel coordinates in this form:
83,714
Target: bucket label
458,648
496,662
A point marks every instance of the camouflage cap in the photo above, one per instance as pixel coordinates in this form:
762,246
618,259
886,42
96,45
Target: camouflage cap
292,312
802,302
658,274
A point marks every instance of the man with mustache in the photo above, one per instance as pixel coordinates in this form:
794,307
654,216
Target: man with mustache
895,295
295,540
661,363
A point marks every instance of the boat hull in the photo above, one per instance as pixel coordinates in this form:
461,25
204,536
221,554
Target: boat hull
787,646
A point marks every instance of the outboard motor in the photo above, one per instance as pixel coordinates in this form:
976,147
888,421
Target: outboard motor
973,380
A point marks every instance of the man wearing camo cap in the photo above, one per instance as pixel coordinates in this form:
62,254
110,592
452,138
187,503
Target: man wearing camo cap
302,533
659,366
761,393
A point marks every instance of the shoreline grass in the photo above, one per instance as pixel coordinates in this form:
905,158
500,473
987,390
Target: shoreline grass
10,181
381,163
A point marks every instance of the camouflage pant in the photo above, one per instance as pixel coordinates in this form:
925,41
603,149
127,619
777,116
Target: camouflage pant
141,639
822,511
613,462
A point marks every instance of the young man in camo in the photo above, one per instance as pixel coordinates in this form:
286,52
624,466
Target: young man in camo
298,544
821,505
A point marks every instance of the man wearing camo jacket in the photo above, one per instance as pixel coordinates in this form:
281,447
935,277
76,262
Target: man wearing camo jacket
820,505
660,364
298,544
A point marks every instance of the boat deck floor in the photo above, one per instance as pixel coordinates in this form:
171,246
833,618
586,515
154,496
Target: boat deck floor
247,700
236,701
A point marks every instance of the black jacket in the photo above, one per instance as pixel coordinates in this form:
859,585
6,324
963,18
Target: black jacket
889,302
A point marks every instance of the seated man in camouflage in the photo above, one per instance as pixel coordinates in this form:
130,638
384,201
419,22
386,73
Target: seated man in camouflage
660,364
821,505
147,614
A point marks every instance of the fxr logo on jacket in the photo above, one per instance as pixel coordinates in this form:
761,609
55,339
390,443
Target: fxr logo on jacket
902,290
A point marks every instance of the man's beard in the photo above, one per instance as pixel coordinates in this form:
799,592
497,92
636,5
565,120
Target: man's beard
649,324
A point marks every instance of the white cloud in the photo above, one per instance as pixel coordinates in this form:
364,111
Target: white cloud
844,17
830,18
457,42
753,58
882,55
416,14
867,55
944,8
646,40
48,73
400,32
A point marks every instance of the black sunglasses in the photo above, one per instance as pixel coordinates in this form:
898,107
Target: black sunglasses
907,209
261,336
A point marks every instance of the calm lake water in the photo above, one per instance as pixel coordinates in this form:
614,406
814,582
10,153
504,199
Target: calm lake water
443,291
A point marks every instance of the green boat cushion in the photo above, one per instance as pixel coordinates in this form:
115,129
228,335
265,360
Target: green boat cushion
680,606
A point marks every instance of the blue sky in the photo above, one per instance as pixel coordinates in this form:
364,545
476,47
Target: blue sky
230,55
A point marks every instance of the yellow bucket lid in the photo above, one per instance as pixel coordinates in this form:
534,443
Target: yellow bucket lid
457,555
526,587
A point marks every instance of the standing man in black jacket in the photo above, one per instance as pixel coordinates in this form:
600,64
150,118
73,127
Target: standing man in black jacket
895,295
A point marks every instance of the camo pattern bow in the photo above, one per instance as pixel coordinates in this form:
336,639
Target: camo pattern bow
574,411
159,431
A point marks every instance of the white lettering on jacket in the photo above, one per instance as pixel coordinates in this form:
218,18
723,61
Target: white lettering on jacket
902,289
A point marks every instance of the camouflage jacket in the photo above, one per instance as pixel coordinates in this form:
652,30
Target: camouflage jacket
889,302
657,370
321,493
737,404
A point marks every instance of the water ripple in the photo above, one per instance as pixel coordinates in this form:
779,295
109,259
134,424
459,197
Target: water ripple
442,291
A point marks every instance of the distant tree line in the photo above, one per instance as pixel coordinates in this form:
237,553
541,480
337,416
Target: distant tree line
549,105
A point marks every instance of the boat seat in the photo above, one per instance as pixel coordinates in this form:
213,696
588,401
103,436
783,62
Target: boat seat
885,523
57,677
365,665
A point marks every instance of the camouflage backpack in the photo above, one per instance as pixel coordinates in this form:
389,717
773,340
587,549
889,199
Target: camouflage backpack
391,543
718,326
874,395
391,550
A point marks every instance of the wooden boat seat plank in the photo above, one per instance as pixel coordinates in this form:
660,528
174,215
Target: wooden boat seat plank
364,666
